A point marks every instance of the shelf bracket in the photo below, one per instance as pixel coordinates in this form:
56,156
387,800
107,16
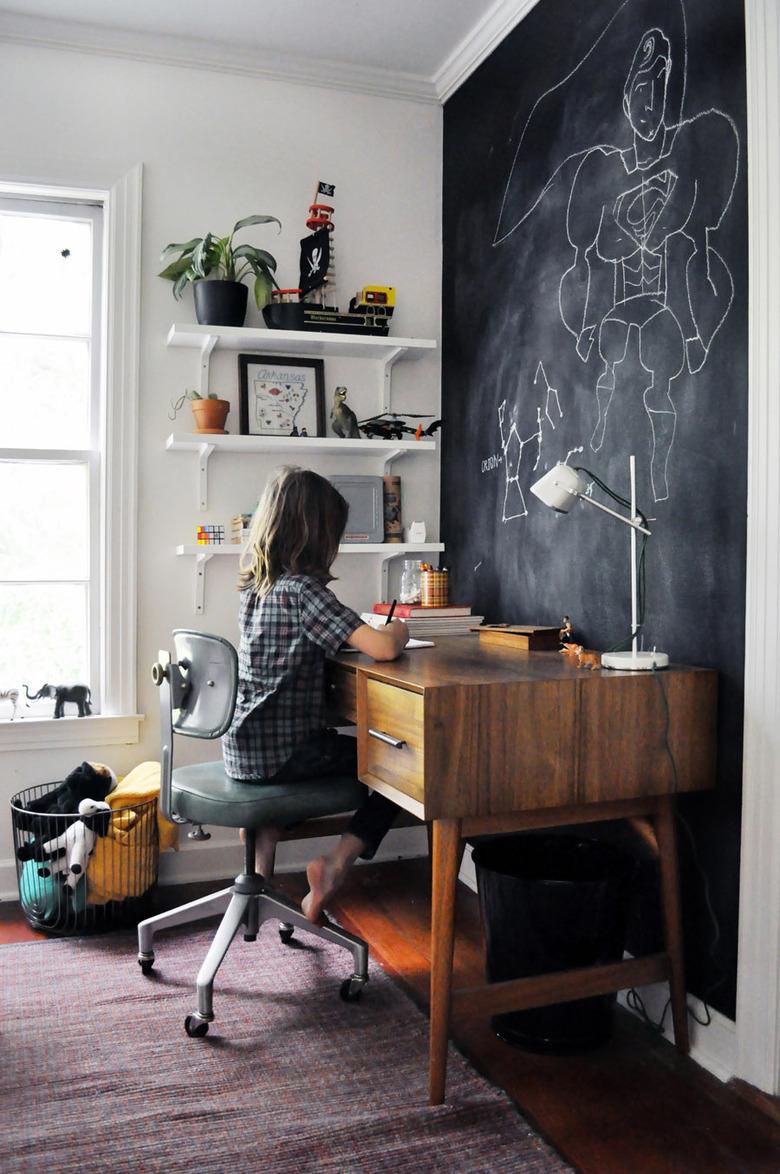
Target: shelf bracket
386,560
387,375
204,452
392,456
200,579
206,347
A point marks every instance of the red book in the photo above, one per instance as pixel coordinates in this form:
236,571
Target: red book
406,611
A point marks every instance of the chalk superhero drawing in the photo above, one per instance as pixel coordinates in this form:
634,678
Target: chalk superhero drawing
641,223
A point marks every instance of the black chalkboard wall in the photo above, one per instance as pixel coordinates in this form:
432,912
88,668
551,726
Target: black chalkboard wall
595,306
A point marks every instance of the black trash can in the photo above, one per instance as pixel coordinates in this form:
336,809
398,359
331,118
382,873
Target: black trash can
553,902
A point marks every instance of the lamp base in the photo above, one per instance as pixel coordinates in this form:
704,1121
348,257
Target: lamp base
634,661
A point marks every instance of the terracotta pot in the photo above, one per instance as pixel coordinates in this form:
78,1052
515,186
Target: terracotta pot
210,414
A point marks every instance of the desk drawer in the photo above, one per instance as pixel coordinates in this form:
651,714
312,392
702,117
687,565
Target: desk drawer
340,693
393,715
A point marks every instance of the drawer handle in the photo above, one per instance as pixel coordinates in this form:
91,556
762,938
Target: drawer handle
396,743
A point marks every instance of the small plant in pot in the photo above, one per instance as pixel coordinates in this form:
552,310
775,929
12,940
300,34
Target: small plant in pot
209,411
215,268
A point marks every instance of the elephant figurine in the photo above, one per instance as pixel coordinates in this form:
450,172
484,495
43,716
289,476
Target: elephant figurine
78,695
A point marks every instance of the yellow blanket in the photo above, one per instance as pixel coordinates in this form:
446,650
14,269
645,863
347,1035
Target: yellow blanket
124,863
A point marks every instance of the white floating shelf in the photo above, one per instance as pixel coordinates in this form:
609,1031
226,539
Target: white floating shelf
390,550
205,444
194,442
297,342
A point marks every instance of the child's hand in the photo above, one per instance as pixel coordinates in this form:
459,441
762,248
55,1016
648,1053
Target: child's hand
383,643
400,633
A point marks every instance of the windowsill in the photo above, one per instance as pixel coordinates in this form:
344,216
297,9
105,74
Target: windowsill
55,733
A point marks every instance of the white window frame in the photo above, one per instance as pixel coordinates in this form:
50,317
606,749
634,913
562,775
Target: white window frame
118,721
92,456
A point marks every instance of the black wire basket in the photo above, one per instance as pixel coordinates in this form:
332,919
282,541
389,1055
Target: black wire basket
114,888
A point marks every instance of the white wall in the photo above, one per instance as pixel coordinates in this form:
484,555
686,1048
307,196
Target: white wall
216,148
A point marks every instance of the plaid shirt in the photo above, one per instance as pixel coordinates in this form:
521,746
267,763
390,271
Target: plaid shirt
285,637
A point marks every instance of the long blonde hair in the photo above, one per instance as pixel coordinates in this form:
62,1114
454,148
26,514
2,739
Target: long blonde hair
296,529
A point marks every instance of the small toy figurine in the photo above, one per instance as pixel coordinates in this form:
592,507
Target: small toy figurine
586,658
79,695
11,695
343,420
567,631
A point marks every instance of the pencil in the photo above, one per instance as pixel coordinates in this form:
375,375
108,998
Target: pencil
390,613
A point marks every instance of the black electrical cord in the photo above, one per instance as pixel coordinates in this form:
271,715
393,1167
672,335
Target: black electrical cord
633,998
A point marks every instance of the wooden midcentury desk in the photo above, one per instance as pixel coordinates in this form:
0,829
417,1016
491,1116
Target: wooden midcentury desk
480,740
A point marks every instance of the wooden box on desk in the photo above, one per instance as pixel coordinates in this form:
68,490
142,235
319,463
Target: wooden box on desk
527,637
476,731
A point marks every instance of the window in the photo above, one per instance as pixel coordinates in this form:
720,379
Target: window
70,273
50,444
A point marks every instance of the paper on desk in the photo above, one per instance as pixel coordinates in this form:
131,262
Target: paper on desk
412,644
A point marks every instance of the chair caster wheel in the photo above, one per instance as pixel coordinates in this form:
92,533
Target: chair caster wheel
196,1028
350,990
286,933
250,937
146,964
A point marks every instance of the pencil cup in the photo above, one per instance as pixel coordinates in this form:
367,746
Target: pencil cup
434,588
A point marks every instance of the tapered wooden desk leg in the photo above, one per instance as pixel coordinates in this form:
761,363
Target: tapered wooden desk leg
446,860
670,898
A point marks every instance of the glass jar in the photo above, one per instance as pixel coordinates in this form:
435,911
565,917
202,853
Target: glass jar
409,591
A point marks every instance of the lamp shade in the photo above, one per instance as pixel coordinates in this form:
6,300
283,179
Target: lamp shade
560,487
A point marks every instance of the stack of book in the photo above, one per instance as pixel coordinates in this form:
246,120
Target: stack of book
239,528
424,622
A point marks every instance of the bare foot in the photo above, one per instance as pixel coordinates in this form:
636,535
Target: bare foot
326,875
324,878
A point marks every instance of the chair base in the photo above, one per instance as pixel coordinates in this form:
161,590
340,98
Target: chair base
248,902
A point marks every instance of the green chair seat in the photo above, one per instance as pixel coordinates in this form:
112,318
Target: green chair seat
205,794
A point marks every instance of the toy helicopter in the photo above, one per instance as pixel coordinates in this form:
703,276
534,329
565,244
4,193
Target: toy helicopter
389,426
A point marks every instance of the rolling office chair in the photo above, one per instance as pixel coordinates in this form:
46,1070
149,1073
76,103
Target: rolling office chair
197,700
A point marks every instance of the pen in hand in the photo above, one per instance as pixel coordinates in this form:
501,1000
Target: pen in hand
390,613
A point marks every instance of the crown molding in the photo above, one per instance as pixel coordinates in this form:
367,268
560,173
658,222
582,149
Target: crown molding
193,53
479,44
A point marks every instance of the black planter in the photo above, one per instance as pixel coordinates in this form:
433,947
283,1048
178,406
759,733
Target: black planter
220,303
287,316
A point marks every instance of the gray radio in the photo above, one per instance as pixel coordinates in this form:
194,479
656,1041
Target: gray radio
365,522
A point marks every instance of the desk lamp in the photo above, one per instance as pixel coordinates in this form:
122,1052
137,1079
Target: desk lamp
559,488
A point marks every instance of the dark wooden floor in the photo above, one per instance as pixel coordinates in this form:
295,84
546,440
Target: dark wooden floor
633,1107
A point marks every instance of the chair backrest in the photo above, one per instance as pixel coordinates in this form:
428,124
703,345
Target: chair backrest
208,667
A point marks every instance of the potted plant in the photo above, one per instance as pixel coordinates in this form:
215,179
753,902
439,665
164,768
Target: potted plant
216,267
209,411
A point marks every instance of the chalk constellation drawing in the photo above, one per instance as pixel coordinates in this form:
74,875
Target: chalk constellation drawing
645,218
512,446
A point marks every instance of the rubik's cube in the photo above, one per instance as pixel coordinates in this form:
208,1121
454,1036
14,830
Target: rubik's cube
210,535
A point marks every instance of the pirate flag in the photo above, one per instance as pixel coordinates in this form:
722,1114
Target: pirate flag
326,189
315,259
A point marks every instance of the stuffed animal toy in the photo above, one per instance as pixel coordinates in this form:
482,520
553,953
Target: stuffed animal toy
68,854
57,809
90,780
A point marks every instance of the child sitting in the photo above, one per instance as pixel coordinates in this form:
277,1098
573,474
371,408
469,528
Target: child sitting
289,622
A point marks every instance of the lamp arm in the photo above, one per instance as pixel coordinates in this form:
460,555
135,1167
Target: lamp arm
614,513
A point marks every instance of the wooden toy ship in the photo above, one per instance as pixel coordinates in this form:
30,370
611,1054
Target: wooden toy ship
312,306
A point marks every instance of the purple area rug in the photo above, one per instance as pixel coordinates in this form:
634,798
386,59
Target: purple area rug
97,1074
